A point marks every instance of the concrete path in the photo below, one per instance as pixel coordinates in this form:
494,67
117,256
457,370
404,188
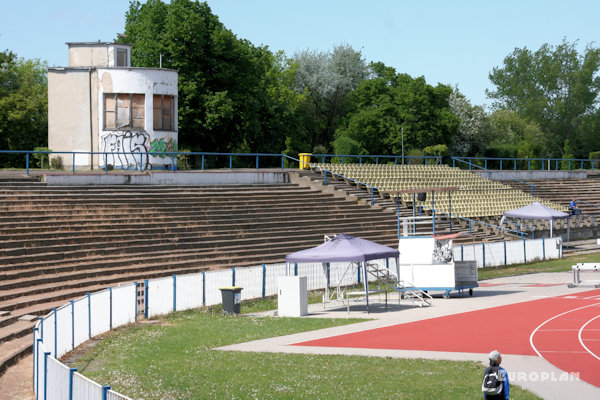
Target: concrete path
532,373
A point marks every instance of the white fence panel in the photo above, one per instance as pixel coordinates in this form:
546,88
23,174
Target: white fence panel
553,248
64,330
160,296
274,271
514,252
215,280
535,250
84,388
58,380
494,254
124,304
112,395
39,371
81,318
100,310
250,278
48,332
315,275
189,291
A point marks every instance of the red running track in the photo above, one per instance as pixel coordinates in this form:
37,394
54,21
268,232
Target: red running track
564,330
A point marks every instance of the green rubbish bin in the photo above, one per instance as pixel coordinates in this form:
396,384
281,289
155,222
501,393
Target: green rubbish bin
232,299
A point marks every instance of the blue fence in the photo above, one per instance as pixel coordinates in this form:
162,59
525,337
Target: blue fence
543,164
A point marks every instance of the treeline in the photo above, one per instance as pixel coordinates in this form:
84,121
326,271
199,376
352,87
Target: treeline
238,97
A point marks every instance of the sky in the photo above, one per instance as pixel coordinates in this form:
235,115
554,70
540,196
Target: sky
456,42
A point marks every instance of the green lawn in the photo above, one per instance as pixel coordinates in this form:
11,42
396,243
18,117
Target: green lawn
172,359
563,264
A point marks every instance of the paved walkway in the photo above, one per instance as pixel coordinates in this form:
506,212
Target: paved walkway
530,372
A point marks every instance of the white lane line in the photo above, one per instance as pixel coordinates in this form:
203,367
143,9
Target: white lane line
581,340
550,319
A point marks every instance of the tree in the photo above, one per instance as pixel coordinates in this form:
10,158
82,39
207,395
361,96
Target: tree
554,87
230,92
471,137
23,103
390,107
326,79
511,135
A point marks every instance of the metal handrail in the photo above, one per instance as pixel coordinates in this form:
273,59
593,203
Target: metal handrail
556,161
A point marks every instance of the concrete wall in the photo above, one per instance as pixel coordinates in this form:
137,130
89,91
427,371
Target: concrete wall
69,112
531,175
196,178
96,54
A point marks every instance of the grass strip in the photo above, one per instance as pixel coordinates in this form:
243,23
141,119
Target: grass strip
560,265
173,359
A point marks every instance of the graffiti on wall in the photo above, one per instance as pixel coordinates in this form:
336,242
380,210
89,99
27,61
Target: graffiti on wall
121,148
163,146
442,251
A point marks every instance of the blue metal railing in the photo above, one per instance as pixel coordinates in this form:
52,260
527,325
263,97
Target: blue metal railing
471,221
325,171
546,164
531,185
141,160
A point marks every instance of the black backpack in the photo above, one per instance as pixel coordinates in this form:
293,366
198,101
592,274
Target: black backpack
492,381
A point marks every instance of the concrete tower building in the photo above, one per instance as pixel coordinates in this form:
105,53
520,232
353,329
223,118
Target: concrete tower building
109,112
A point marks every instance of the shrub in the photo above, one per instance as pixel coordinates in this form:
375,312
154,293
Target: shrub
41,158
183,161
57,163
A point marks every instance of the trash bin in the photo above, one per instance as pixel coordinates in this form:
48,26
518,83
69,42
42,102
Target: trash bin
304,160
232,299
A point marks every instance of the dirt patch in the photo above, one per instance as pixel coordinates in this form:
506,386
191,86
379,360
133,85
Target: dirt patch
16,382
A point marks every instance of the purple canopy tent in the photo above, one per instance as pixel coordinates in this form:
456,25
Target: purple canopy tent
535,210
345,248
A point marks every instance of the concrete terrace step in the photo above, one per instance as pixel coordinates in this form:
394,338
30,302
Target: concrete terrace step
24,219
218,239
15,275
11,230
36,241
12,351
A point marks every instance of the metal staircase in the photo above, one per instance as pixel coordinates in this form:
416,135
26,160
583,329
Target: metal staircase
406,290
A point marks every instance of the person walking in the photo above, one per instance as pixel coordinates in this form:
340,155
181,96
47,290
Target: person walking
495,384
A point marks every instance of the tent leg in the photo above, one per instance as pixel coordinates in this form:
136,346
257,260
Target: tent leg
366,284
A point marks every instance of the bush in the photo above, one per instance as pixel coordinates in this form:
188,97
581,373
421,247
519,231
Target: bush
57,163
416,153
183,161
41,158
595,155
347,145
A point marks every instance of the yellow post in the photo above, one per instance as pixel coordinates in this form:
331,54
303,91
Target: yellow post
304,160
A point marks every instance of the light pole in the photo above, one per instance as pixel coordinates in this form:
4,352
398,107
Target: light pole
402,133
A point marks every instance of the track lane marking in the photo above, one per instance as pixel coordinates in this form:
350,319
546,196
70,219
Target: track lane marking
581,340
550,319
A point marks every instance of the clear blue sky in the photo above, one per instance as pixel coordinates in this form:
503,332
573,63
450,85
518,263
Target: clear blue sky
452,42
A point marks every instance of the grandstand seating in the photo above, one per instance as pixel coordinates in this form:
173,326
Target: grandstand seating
561,191
58,243
476,197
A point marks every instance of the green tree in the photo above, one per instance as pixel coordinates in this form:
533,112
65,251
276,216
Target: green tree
511,135
390,106
23,103
554,87
231,94
325,79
